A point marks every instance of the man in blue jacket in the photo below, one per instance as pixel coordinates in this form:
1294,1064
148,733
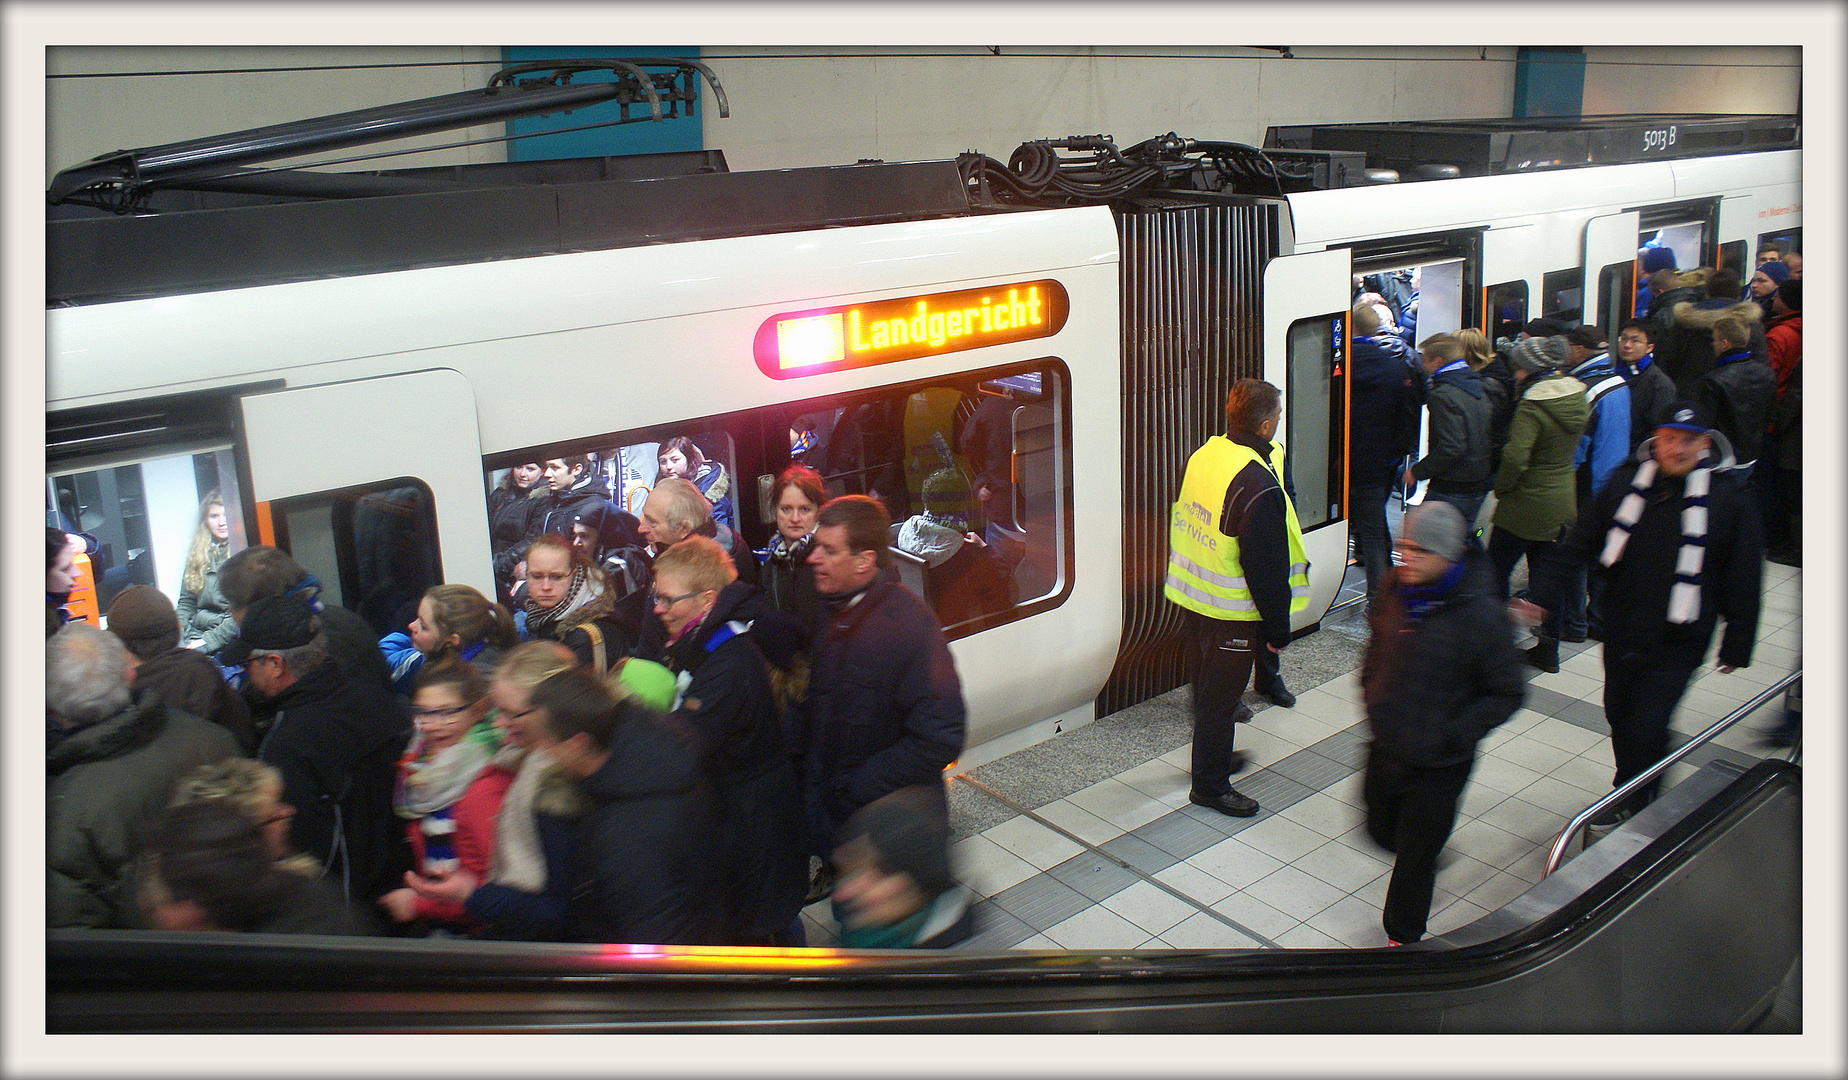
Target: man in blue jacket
1604,446
885,704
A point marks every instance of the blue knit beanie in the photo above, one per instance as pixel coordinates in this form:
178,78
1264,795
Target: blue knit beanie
1658,258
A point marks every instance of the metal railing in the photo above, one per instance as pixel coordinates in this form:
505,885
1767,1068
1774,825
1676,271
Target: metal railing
1558,852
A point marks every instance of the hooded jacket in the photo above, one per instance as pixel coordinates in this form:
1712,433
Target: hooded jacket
1606,442
1457,456
1686,350
1637,587
103,783
190,681
725,698
1436,685
1536,490
649,839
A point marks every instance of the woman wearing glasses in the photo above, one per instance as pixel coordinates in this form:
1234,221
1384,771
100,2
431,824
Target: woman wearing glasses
451,817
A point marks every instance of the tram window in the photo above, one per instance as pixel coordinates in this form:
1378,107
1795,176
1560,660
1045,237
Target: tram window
972,470
1562,296
1616,296
373,548
1507,310
1315,400
1785,241
143,518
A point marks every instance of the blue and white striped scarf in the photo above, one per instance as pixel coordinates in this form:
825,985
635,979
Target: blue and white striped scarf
1684,600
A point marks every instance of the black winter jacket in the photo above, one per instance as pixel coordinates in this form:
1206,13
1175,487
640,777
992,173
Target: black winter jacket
511,513
788,580
649,840
1498,386
1385,405
885,704
1740,392
1457,457
1636,589
726,700
1435,687
338,757
1651,393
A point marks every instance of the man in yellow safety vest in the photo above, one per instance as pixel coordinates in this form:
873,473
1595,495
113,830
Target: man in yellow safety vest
1236,563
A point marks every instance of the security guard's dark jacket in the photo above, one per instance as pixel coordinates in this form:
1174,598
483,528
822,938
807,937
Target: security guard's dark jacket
1254,513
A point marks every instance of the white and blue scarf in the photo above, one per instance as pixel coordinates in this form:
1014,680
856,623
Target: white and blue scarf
1684,599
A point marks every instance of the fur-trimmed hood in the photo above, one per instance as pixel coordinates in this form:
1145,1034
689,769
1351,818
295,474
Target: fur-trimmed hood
1689,317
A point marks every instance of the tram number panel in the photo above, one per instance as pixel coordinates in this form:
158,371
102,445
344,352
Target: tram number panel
801,343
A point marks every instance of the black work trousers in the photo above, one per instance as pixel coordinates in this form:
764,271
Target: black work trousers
1368,490
1223,653
1642,686
1410,812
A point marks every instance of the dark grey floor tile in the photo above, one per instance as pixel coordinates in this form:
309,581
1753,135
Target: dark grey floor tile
1310,769
995,929
1096,876
1180,833
1273,790
1545,702
1213,819
1139,853
1040,901
1586,715
1348,746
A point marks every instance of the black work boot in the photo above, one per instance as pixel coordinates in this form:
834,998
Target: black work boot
1545,654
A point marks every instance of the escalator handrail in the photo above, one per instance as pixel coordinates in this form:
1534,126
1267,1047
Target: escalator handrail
1557,853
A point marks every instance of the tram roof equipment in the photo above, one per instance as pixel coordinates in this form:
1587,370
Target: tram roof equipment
1485,147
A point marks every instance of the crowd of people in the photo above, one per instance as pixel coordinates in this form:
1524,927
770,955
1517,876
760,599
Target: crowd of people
687,752
654,735
1638,485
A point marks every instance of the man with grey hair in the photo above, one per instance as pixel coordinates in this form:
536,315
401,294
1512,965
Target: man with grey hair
675,510
337,755
112,760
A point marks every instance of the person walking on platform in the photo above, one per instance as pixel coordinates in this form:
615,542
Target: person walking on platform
1440,672
1236,563
1457,464
1678,545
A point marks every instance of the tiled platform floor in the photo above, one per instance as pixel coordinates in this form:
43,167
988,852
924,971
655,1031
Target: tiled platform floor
1125,862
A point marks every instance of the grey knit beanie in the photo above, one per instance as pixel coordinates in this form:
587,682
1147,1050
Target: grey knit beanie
1438,528
1536,354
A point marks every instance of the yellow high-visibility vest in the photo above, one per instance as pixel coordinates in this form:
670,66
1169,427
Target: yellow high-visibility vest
1203,568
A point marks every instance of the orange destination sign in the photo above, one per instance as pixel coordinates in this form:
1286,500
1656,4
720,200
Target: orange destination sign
800,343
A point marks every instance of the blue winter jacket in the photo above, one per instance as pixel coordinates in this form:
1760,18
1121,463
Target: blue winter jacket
1606,442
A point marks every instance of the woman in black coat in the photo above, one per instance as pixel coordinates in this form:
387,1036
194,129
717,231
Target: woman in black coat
787,579
725,697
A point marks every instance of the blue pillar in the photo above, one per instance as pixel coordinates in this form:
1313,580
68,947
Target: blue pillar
648,137
1549,80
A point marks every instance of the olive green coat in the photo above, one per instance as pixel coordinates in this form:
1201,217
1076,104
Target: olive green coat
1536,491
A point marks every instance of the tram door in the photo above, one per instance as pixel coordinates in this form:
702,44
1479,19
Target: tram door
1306,302
374,486
1610,271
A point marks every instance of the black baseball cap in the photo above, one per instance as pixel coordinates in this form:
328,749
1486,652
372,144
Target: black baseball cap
271,624
1686,416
